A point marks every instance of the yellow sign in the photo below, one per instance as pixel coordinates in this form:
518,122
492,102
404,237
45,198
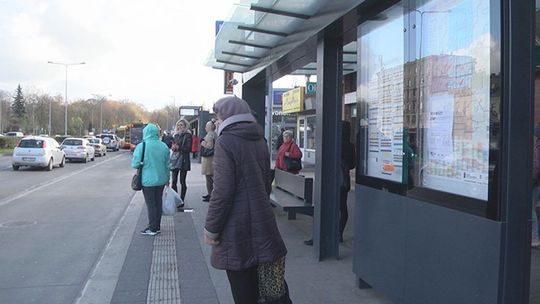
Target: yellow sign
293,100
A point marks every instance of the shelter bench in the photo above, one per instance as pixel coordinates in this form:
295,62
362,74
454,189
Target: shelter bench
293,193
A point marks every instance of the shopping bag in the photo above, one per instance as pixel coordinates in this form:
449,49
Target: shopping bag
168,207
177,199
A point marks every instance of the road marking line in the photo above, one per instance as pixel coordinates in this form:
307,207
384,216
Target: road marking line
101,283
51,182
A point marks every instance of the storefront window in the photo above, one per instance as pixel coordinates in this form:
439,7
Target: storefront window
427,107
301,132
310,132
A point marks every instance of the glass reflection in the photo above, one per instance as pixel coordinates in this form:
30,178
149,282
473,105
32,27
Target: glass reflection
380,94
452,60
428,97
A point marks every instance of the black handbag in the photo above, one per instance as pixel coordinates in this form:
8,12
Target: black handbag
136,180
205,152
293,164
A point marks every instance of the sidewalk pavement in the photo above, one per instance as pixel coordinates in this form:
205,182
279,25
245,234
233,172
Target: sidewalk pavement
174,266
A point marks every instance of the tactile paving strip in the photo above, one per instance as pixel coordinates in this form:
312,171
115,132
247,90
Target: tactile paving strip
163,287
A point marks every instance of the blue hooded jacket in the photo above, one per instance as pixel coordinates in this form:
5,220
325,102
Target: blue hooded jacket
156,166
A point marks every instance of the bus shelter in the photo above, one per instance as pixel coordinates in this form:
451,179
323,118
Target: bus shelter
444,128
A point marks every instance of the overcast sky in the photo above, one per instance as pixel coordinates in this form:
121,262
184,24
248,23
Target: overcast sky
142,50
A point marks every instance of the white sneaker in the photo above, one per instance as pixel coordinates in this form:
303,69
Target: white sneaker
147,231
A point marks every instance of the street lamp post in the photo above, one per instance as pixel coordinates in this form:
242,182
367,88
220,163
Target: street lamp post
101,100
50,115
175,110
65,96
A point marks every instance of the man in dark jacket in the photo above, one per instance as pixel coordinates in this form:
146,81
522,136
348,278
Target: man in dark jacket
240,224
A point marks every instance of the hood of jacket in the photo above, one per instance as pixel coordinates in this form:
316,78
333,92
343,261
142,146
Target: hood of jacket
230,106
244,129
151,131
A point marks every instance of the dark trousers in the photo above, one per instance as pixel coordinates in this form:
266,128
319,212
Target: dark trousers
344,212
244,285
209,184
183,175
154,200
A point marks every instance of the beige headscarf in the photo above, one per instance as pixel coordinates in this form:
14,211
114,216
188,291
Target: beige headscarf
232,109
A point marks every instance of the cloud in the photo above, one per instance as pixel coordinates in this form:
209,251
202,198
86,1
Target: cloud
146,51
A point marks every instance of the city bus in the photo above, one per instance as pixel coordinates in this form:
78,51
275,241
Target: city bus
133,134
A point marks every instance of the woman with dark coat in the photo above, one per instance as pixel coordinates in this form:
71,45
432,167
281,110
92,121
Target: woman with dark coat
348,162
180,162
240,224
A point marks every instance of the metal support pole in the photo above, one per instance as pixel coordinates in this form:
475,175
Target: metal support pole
50,116
328,143
101,117
269,105
518,19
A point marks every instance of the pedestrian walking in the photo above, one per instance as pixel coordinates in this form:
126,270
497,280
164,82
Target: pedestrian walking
180,161
240,223
207,157
155,174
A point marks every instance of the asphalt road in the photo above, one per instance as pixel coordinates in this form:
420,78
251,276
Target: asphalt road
55,225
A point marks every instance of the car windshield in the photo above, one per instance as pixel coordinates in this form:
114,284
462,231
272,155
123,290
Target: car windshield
94,140
107,136
31,143
72,142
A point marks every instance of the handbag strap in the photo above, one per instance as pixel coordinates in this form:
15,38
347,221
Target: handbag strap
143,149
289,150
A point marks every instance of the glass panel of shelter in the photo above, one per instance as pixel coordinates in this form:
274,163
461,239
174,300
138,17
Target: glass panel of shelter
426,104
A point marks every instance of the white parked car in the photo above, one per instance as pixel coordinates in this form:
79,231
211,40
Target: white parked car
15,134
99,146
38,151
78,149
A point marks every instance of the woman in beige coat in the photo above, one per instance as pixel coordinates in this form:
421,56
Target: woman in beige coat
207,169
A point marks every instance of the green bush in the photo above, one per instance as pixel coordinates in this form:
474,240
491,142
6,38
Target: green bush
8,142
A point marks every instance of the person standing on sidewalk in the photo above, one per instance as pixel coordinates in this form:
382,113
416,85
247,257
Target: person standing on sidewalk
194,144
155,174
348,162
207,168
287,149
180,162
240,224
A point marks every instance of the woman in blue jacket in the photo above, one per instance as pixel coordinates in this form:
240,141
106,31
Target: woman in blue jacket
155,174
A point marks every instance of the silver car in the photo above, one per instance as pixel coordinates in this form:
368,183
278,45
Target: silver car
78,149
111,141
38,151
99,147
